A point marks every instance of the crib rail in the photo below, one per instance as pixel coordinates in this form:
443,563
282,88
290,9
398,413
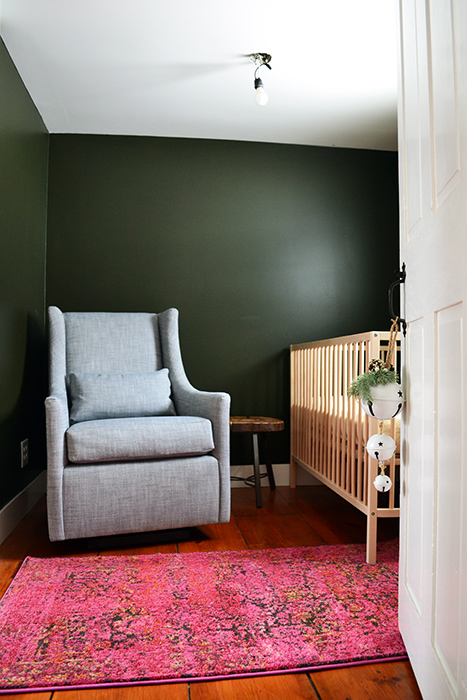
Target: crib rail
329,431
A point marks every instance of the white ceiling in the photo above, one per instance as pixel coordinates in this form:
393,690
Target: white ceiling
181,68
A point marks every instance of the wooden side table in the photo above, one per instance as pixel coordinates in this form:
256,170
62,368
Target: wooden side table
256,425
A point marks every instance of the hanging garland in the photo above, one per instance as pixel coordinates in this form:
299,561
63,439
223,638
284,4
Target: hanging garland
386,448
381,397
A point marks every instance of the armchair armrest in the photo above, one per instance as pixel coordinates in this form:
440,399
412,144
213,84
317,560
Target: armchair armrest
57,422
215,406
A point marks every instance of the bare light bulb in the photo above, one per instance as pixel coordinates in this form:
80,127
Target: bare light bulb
261,96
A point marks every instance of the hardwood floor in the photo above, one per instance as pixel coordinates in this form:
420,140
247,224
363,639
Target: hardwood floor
307,515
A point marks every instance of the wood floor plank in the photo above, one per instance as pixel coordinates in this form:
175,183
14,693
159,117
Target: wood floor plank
223,536
336,521
295,686
19,543
28,696
8,570
387,681
169,548
169,691
333,518
271,530
243,502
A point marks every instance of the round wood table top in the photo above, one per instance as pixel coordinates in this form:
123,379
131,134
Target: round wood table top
255,424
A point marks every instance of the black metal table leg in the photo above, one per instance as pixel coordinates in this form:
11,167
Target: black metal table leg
259,500
267,459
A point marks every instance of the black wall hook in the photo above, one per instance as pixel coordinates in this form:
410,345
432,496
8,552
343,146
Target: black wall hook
401,275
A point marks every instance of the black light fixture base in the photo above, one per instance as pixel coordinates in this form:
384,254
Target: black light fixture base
261,59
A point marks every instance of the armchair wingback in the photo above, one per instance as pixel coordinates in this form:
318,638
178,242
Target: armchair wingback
131,445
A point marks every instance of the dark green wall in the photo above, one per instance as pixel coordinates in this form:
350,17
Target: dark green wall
23,204
258,246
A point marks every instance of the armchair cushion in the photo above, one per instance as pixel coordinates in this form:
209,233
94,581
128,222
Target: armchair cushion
122,439
100,396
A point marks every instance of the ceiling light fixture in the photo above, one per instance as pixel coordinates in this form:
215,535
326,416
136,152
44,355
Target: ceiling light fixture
260,59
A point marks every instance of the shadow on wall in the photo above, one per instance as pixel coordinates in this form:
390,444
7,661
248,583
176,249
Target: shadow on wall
23,383
13,331
262,385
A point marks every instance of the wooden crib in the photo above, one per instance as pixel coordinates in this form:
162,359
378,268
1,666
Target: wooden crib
329,431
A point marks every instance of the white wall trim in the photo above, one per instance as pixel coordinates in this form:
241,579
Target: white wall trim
281,475
14,511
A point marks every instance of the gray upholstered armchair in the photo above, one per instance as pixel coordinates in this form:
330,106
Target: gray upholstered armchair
131,445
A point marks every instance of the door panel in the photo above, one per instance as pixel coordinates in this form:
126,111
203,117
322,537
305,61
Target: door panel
411,117
433,190
447,478
415,441
444,99
413,120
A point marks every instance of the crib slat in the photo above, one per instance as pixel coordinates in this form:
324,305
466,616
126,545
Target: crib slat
340,410
317,440
328,413
329,431
353,418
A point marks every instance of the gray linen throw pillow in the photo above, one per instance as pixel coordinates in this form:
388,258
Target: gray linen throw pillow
100,396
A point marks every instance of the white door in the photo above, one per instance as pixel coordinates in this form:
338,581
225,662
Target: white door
433,193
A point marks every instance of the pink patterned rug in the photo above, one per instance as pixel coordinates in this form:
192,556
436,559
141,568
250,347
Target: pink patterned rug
122,620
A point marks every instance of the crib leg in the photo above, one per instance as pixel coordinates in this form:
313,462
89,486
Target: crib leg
372,518
371,538
293,474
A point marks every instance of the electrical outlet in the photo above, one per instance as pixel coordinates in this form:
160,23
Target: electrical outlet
24,452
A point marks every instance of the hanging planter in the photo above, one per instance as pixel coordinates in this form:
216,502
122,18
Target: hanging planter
378,390
385,402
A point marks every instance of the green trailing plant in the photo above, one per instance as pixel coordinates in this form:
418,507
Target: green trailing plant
378,374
